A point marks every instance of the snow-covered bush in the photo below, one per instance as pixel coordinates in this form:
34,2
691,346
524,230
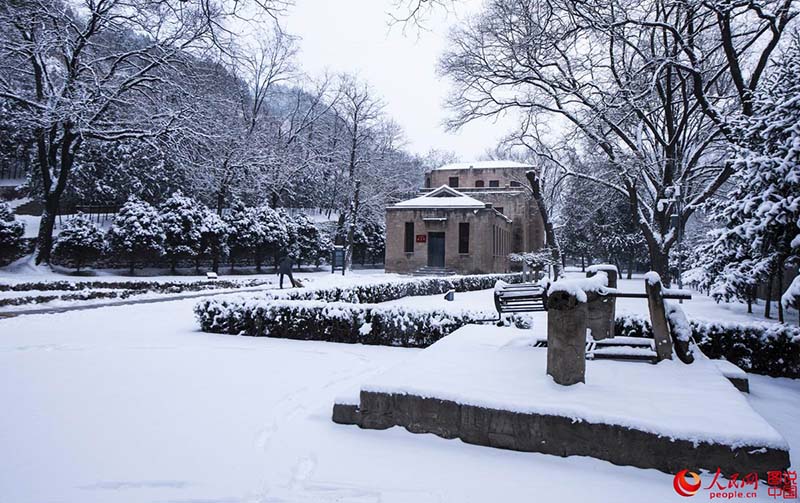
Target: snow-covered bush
273,235
374,293
244,233
313,245
136,232
761,348
152,286
369,242
181,219
11,233
332,322
214,235
80,242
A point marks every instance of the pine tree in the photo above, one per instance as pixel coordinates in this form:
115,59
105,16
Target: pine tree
136,232
762,210
214,234
312,244
274,236
80,242
181,219
11,233
245,231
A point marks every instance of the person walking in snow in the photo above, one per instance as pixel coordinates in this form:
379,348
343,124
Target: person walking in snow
285,268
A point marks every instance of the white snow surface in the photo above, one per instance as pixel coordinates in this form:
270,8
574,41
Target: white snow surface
728,369
497,368
578,286
602,267
432,200
135,404
652,277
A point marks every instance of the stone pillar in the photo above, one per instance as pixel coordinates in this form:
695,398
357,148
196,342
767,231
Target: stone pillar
566,338
601,309
658,316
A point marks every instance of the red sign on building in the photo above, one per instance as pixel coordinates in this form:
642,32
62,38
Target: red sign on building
422,238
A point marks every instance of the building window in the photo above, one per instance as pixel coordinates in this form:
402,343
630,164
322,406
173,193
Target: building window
453,182
494,183
479,183
516,184
463,237
427,182
499,209
408,246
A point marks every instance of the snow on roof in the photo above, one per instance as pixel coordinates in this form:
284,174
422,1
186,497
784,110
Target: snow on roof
485,165
443,197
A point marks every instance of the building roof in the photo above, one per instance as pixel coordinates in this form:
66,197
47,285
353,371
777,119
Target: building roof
443,197
484,165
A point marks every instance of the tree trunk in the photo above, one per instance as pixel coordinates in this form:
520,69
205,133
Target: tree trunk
44,241
659,262
549,231
780,290
583,263
630,266
215,261
348,256
768,304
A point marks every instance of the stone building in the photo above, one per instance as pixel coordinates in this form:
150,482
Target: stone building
479,213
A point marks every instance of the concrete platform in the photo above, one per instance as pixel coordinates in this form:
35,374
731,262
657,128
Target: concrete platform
487,386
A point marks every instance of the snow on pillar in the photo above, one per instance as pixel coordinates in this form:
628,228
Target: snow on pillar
601,309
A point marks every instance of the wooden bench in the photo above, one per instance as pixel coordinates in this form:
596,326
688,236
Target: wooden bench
520,298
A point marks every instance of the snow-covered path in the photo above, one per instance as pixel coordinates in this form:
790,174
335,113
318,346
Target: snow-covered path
133,404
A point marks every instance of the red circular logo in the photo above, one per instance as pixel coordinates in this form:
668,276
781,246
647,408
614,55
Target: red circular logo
683,486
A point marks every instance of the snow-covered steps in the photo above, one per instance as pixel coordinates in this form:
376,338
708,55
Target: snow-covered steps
623,348
434,271
488,386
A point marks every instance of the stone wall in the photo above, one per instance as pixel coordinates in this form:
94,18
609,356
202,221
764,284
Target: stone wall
556,435
481,258
518,205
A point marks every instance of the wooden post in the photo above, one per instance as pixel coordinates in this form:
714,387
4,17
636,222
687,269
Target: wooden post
601,309
658,316
566,338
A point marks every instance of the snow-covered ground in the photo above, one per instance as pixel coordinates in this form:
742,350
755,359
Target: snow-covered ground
134,404
24,271
701,307
27,273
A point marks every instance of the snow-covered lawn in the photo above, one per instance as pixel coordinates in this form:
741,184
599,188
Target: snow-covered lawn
266,281
134,404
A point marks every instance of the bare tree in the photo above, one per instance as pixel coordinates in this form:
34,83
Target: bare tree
96,70
228,150
361,112
655,86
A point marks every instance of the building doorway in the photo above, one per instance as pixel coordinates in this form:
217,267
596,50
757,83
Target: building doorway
436,249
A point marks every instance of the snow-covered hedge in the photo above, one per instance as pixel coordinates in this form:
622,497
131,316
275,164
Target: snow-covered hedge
68,297
761,348
349,314
153,286
375,293
93,290
331,322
